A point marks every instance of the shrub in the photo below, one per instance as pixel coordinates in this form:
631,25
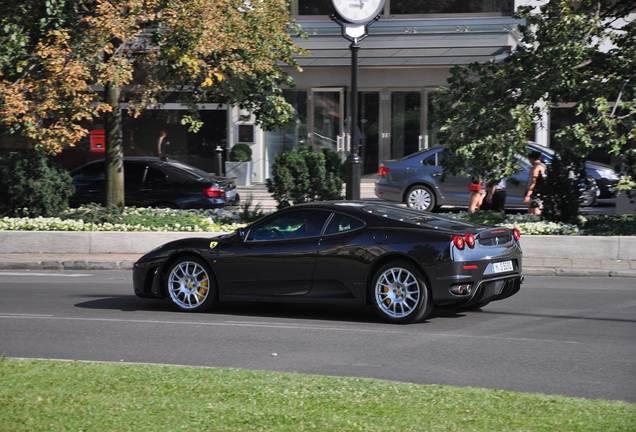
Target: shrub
610,225
527,224
30,186
240,153
303,175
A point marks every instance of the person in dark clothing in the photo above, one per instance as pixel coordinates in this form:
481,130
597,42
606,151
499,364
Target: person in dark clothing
496,196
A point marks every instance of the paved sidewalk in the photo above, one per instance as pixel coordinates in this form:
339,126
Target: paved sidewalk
126,261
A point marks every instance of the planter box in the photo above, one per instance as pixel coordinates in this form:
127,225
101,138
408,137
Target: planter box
574,247
241,170
626,202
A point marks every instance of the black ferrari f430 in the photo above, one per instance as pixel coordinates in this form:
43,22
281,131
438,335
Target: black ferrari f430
401,262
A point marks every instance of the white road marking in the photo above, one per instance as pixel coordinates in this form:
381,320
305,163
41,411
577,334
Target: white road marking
25,315
45,274
134,363
290,327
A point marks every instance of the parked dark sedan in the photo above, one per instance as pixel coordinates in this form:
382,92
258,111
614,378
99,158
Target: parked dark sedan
154,182
400,261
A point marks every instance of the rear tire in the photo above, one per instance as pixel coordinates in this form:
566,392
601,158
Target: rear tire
189,284
420,197
399,293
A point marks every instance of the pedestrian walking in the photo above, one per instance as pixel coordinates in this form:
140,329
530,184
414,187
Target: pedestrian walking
495,196
477,191
537,173
163,144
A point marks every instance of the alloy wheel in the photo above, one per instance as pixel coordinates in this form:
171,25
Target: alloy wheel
397,292
188,285
419,199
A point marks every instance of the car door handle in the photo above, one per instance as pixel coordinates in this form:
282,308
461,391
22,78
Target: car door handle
437,175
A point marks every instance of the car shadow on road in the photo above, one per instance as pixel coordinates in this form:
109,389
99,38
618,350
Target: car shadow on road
565,317
326,312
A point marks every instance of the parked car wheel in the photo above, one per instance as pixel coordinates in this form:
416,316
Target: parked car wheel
189,284
420,197
400,294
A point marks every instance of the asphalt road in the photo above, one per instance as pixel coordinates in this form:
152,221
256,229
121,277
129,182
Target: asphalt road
571,336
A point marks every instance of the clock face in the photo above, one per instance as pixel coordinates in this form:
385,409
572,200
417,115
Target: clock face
358,11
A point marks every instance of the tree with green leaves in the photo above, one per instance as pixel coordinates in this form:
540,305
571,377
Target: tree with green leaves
85,57
581,52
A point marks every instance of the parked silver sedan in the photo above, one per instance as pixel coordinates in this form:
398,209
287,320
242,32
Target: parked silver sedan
417,180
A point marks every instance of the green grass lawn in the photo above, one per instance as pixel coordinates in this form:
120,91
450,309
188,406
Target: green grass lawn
38,395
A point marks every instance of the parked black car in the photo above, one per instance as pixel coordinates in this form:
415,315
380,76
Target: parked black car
401,262
603,175
154,182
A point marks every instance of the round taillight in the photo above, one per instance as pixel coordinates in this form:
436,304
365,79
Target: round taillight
470,240
459,242
516,234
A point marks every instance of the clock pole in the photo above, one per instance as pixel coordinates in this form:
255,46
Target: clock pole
354,19
354,162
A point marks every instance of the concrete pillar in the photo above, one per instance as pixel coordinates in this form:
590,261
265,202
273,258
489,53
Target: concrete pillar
542,127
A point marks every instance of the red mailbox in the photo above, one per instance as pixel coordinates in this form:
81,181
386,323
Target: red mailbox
97,140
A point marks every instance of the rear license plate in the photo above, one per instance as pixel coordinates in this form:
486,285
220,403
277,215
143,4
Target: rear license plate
501,267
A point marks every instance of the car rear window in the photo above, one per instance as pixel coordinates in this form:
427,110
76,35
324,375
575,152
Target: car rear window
192,171
415,217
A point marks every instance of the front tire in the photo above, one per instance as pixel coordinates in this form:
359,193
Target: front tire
420,197
399,293
189,284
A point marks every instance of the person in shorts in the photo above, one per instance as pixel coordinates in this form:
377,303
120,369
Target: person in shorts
477,191
537,171
496,196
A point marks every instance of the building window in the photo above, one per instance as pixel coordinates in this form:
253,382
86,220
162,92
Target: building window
412,7
436,120
419,7
313,7
291,134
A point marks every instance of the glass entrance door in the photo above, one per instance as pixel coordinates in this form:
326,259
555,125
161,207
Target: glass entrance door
406,123
369,108
326,118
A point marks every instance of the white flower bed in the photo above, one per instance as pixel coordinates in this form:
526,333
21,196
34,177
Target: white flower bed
57,224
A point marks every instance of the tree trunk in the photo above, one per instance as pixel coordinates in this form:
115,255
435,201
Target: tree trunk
114,149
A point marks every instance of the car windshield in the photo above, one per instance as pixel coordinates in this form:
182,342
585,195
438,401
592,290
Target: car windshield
412,216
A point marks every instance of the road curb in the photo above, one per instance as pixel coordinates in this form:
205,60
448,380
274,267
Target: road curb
128,265
68,265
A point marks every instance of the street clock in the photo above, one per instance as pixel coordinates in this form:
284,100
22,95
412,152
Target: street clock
358,11
354,17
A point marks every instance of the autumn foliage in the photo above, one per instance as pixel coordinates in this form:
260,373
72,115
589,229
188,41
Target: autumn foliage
57,57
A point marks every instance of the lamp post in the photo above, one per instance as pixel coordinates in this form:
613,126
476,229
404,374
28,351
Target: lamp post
354,18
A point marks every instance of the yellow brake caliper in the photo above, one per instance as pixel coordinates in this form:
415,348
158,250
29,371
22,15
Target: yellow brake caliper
203,287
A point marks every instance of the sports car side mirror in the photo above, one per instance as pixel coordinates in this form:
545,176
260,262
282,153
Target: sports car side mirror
241,233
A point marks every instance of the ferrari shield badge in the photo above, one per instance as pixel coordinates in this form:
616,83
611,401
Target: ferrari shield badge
213,244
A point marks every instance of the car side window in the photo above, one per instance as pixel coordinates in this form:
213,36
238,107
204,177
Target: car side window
434,160
289,226
90,174
341,223
154,175
133,173
430,161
